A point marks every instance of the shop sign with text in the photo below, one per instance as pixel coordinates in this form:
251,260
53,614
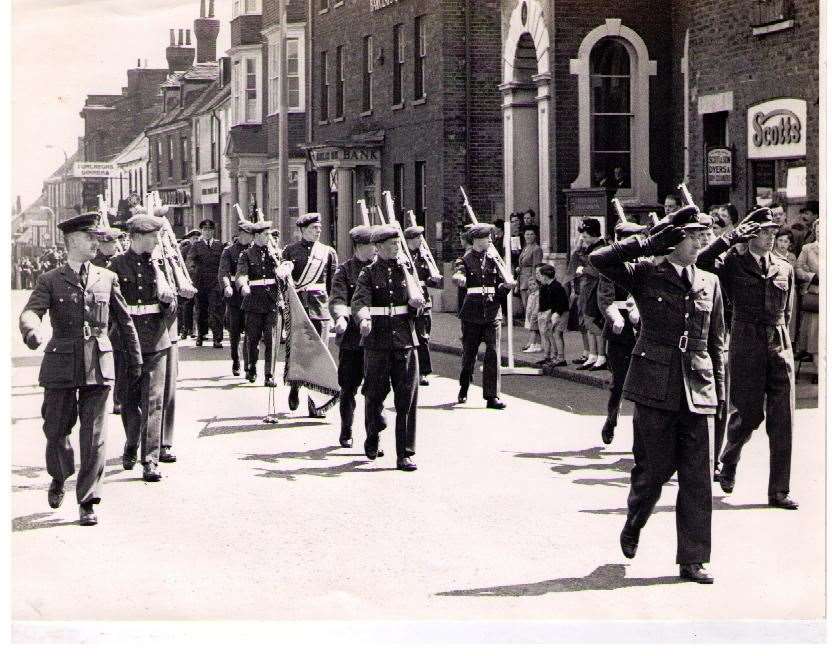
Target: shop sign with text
777,129
720,167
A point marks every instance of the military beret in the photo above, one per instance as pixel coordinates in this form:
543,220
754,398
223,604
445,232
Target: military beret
413,231
591,226
362,234
706,220
207,223
761,216
307,219
383,233
143,223
260,226
628,229
687,218
244,226
108,234
193,233
480,230
81,223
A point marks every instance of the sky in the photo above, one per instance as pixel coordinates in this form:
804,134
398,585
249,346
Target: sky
63,50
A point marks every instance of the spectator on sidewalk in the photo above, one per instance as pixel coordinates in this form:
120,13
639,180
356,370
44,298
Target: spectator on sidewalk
807,269
530,257
554,312
532,309
577,259
588,276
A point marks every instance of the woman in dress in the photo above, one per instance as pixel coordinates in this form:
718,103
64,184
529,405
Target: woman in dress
530,257
806,271
783,245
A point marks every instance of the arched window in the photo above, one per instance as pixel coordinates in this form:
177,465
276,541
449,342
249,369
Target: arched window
609,79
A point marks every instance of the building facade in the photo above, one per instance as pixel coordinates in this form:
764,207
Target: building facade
129,173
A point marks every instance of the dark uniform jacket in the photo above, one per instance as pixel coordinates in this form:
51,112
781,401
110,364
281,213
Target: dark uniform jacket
608,295
137,278
316,303
677,361
257,263
101,260
203,261
228,269
69,359
343,288
382,284
423,273
480,270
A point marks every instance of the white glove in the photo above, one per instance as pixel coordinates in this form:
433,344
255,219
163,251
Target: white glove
228,292
365,327
341,326
245,290
618,325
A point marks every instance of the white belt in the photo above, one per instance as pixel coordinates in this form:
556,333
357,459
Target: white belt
317,287
389,311
623,305
262,282
139,310
480,290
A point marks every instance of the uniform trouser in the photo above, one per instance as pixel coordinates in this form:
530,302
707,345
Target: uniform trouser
260,325
120,365
665,442
141,410
618,360
721,423
762,387
423,326
350,377
473,334
398,369
185,315
169,403
235,319
209,312
60,410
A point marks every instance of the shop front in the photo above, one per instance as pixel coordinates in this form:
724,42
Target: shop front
181,212
206,197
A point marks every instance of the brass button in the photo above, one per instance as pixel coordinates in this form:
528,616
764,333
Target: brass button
659,299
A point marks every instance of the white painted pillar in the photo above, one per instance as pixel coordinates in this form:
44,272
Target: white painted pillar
544,177
345,211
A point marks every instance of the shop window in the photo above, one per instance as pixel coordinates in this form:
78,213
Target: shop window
419,54
398,64
367,57
324,87
339,82
609,80
420,192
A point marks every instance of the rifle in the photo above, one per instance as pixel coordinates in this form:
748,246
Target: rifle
103,211
492,250
365,215
686,194
619,210
425,250
170,247
414,287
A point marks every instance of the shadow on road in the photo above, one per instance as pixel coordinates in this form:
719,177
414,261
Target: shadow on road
605,577
38,520
209,430
718,504
354,466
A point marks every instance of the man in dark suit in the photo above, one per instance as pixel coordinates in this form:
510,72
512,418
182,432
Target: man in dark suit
151,302
235,317
77,368
413,235
203,261
186,305
675,380
350,351
384,311
480,314
761,288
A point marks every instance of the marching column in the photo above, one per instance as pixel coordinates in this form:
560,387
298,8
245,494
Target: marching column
204,262
675,380
235,317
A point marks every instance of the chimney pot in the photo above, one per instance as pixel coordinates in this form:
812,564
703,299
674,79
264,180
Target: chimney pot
181,36
202,8
172,38
187,37
211,9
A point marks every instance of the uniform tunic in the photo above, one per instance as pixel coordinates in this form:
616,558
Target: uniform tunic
203,261
761,358
675,379
314,301
390,354
77,367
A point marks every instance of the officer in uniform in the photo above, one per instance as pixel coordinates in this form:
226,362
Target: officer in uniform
350,351
166,453
314,266
204,262
413,235
761,288
151,302
384,311
260,276
77,367
480,314
621,320
675,380
235,318
186,305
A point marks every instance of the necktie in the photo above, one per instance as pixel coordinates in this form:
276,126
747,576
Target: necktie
82,273
686,277
764,265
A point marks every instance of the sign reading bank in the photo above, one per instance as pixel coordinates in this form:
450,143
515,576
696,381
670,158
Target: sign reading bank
777,129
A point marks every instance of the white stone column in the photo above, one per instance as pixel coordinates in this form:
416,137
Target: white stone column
508,152
345,211
323,202
544,178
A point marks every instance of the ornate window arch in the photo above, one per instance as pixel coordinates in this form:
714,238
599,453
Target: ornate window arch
641,188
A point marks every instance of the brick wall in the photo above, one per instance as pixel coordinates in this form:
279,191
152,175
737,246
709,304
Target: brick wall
245,30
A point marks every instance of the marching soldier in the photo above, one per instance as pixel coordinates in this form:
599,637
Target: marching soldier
413,235
621,322
151,302
204,262
384,312
675,380
314,266
186,305
480,315
259,277
760,286
235,317
350,351
166,453
77,367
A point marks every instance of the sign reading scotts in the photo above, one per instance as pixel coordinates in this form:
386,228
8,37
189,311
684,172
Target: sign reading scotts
777,129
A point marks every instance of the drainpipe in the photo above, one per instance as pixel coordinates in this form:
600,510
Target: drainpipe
468,96
219,171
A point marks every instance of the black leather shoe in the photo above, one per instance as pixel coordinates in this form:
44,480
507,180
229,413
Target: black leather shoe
345,441
696,573
217,345
727,478
607,432
314,413
87,515
405,464
167,455
717,474
585,366
629,541
198,341
128,460
56,494
116,408
783,501
423,381
461,398
599,367
235,369
269,381
294,399
151,474
251,376
371,455
495,403
579,360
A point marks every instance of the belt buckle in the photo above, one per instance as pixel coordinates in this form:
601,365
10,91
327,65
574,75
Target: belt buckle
683,343
87,332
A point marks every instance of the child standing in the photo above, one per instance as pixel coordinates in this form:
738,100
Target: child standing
553,317
532,304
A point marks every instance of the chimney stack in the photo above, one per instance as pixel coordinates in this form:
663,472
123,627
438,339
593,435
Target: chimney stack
180,55
172,38
206,30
